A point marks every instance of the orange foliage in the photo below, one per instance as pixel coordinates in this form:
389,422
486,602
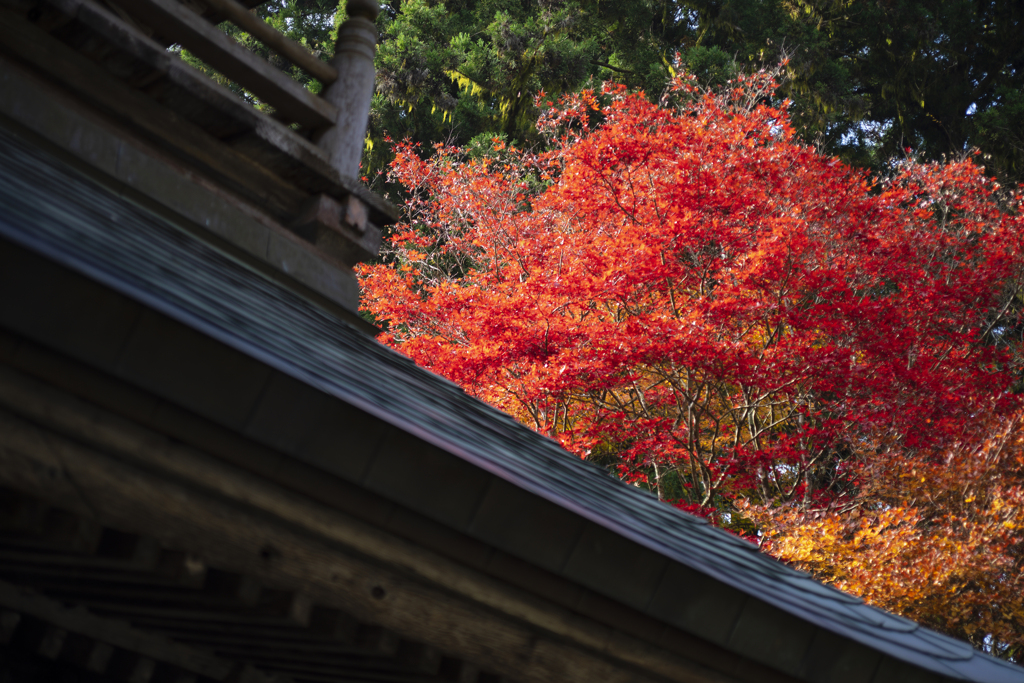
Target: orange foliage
939,539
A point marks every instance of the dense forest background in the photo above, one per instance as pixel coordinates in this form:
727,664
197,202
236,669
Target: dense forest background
762,257
868,79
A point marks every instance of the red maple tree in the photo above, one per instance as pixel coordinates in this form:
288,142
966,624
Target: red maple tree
685,292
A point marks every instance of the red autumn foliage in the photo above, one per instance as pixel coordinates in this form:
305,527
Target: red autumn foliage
686,293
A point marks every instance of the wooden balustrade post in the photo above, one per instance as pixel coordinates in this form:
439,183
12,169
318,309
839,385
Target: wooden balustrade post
353,90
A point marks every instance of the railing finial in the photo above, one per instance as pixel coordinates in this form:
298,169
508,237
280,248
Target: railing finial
363,8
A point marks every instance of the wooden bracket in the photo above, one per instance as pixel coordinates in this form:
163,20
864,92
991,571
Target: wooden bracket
341,229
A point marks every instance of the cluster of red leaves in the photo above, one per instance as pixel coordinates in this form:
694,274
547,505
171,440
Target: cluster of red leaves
687,293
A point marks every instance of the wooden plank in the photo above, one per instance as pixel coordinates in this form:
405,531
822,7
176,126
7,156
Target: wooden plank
29,524
280,151
270,640
274,39
111,597
22,41
328,629
56,568
282,657
109,586
306,165
313,670
61,621
182,613
283,649
267,142
229,516
175,21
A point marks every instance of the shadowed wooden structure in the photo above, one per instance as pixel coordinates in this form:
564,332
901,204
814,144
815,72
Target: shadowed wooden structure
210,470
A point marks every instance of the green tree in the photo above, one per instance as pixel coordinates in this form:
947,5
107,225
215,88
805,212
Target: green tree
872,77
469,68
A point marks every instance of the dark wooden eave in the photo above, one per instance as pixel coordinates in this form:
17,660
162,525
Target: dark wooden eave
248,497
145,613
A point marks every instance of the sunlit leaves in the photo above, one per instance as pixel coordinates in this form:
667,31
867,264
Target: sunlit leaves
937,538
686,294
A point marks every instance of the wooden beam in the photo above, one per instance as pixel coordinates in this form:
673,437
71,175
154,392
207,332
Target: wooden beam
229,516
265,163
230,614
20,40
180,24
59,621
274,39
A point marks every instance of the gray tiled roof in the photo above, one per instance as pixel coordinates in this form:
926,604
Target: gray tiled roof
110,240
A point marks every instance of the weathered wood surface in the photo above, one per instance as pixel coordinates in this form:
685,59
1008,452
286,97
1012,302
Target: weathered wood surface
102,635
156,604
175,21
22,41
246,523
132,77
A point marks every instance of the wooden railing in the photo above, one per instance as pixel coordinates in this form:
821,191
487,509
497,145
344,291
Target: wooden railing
336,120
275,40
109,63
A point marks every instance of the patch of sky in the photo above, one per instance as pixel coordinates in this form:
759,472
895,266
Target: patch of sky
868,132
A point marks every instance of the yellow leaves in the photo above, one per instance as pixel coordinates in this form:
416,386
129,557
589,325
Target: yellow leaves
466,83
945,559
668,65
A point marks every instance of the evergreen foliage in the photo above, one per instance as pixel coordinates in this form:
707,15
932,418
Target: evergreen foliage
868,79
871,78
